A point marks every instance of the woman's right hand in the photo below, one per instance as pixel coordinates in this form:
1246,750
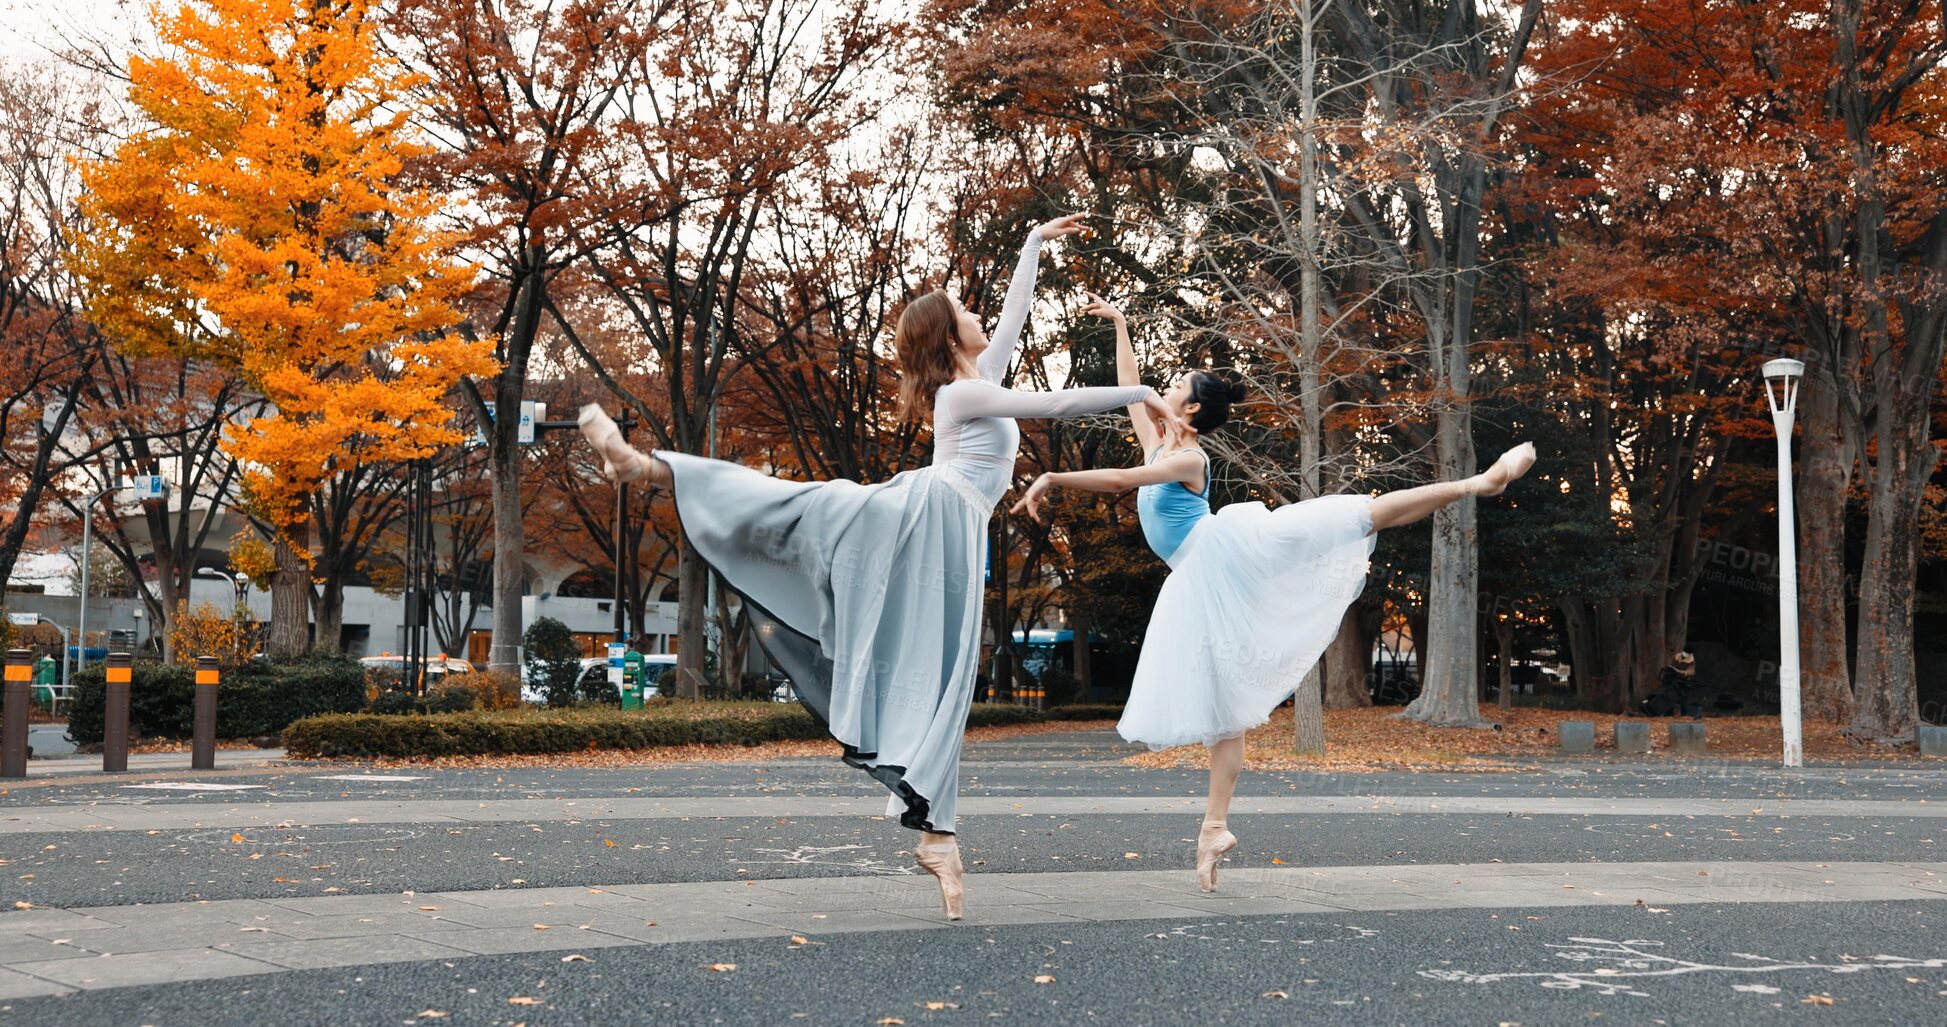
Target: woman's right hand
1068,225
1030,503
1102,308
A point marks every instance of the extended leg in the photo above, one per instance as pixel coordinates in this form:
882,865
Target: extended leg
621,461
1408,505
1215,839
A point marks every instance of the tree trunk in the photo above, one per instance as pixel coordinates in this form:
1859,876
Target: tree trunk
1450,656
290,594
1348,663
692,576
1309,737
1084,656
510,543
1825,472
329,603
1887,699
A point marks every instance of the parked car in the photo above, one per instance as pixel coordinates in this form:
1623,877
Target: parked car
389,669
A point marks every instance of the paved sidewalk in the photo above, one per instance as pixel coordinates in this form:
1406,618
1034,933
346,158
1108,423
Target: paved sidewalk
131,816
57,951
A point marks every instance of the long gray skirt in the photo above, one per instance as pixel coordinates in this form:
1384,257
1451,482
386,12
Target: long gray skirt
868,596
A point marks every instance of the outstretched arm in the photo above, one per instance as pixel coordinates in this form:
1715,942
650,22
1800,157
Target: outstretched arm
1126,371
992,363
1185,467
967,399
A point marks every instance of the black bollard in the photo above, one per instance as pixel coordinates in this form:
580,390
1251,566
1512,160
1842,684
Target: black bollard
114,722
202,738
13,708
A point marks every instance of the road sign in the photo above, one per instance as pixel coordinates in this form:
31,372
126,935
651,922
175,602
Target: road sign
25,620
148,488
531,413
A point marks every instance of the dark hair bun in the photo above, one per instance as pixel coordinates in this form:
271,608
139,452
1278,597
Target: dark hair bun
1213,396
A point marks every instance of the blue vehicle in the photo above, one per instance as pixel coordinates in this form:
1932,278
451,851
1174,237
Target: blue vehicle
1111,668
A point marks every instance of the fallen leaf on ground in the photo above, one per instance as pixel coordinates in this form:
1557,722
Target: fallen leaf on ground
432,1014
1815,1000
23,905
523,1000
1274,994
576,958
610,842
890,1021
1132,855
1277,862
723,968
543,927
1045,979
429,909
799,939
237,838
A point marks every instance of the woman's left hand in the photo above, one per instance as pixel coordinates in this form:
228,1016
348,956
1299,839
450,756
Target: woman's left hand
1167,421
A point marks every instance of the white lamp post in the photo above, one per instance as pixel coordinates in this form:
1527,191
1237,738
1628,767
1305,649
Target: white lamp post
1781,381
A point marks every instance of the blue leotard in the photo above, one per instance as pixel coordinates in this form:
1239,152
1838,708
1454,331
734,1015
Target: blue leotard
1169,510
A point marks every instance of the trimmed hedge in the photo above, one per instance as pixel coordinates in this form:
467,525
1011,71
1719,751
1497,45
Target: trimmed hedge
256,700
539,732
1085,711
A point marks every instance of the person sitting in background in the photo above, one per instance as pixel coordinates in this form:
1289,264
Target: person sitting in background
1680,679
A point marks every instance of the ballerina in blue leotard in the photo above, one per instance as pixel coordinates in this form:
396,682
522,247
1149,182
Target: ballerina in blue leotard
1254,594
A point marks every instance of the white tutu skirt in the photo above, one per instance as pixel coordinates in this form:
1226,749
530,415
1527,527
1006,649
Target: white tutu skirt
868,596
1253,598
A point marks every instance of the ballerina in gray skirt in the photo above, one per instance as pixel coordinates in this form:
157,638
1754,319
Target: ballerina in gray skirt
869,596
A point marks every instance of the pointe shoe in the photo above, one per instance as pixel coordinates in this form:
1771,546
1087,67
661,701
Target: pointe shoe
1211,846
621,462
943,862
1512,465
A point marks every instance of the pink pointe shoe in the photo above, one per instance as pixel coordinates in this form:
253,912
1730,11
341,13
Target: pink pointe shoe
620,461
1212,843
1511,466
942,860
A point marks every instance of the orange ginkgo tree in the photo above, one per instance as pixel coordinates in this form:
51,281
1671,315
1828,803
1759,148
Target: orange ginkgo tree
264,220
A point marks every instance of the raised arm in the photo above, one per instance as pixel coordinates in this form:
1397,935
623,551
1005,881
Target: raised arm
1185,467
967,399
1126,371
992,363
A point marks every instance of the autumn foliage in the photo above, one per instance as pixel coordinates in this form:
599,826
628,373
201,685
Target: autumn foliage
265,222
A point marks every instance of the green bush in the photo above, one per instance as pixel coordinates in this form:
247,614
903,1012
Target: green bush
259,699
539,732
553,660
445,698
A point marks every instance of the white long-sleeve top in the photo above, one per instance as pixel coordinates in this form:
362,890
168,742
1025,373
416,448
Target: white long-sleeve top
973,418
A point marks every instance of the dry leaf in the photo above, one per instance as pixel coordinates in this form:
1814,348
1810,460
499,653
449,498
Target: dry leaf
237,838
523,1000
1274,994
723,968
610,842
937,1006
799,939
23,905
1277,862
1045,979
429,909
1815,1000
1132,855
543,927
890,1021
432,1014
576,958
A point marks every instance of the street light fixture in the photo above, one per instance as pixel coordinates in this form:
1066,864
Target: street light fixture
237,581
1781,383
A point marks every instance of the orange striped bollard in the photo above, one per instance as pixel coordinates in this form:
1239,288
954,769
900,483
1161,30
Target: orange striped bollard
202,735
13,709
120,671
